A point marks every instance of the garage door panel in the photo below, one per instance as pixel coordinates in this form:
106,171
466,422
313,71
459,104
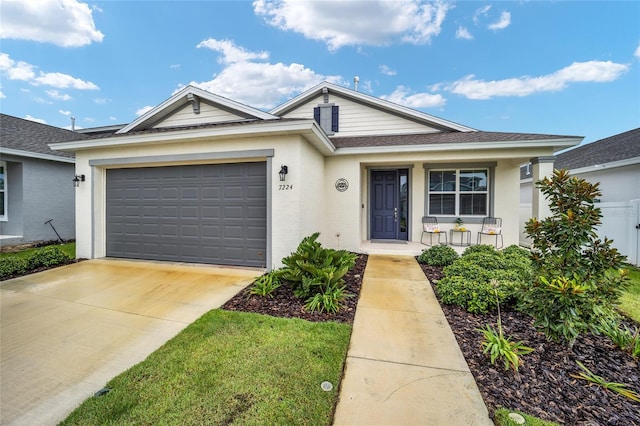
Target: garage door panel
202,213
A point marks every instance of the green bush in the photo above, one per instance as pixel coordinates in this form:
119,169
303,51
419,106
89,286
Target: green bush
438,256
11,266
574,288
467,281
313,270
266,284
478,297
47,256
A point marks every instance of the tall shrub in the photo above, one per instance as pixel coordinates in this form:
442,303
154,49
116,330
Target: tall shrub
574,287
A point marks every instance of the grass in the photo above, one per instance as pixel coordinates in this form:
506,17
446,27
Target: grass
630,300
230,368
68,248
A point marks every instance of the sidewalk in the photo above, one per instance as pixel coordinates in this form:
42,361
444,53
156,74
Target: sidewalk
404,366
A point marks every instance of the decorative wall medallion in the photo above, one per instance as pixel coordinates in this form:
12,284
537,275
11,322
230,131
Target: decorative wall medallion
342,184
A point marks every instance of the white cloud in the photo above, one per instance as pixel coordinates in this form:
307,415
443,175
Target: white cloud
65,113
54,94
463,33
502,23
230,52
37,120
2,95
144,110
244,80
67,23
483,11
19,70
353,23
174,66
401,96
101,101
63,81
637,52
592,71
386,70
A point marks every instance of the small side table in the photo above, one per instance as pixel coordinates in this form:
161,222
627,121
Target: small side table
466,234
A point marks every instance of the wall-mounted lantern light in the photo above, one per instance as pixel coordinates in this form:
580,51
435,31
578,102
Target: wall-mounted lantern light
283,173
77,179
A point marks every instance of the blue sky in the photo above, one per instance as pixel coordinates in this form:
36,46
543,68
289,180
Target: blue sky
569,68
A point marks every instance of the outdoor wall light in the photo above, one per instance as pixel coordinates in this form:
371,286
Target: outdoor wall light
283,173
77,179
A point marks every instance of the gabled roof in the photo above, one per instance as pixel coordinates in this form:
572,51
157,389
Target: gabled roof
193,95
616,148
371,101
30,139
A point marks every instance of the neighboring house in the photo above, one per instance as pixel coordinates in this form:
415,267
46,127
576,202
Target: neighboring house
614,162
36,182
202,178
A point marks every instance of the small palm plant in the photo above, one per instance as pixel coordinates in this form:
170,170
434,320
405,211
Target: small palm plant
500,347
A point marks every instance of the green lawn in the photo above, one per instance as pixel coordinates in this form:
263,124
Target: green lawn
630,300
230,368
68,248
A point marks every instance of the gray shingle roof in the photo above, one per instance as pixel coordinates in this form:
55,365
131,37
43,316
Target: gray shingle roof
26,135
622,146
438,138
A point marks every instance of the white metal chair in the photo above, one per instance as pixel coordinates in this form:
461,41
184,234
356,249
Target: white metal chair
491,226
430,227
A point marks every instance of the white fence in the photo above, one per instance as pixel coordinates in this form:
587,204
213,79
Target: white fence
620,222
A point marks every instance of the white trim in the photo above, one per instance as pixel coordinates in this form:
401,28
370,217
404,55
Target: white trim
604,166
179,99
307,128
370,100
29,154
459,146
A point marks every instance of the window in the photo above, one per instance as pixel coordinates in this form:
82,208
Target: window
3,190
326,115
459,192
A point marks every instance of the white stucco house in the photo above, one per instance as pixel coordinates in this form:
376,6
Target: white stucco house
202,178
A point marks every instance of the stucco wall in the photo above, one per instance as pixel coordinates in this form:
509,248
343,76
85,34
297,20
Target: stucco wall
39,190
616,184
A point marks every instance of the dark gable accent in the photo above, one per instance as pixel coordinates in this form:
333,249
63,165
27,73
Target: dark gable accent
334,118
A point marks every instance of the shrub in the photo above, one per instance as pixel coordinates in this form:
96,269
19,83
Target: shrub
481,248
47,256
314,270
438,256
477,297
12,266
573,288
266,284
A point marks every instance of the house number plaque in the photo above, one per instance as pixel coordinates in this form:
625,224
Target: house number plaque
342,184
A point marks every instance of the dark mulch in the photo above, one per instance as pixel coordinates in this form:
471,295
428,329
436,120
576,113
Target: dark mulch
543,385
285,304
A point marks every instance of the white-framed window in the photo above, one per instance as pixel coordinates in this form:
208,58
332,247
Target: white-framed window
458,192
3,190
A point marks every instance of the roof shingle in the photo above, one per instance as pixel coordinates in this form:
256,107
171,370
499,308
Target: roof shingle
622,146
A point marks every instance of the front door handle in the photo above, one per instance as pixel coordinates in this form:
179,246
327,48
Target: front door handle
395,214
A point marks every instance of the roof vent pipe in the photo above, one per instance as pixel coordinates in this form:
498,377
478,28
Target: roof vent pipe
356,80
73,124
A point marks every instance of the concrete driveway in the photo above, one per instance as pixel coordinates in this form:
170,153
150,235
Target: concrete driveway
66,332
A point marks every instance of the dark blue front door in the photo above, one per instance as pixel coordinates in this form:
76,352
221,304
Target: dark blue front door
384,204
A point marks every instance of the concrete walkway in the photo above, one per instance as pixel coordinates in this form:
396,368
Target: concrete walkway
404,366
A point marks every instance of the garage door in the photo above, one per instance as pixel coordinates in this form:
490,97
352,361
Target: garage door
209,213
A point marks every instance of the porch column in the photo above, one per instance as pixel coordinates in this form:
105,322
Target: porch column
540,168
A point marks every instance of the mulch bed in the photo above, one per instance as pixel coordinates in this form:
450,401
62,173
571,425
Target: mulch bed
542,386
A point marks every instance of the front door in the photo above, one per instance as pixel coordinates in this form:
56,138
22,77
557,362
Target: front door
389,204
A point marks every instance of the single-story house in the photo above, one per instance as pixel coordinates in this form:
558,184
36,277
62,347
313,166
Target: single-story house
614,162
36,182
202,178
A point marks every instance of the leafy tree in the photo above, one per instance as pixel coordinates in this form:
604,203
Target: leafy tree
575,287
